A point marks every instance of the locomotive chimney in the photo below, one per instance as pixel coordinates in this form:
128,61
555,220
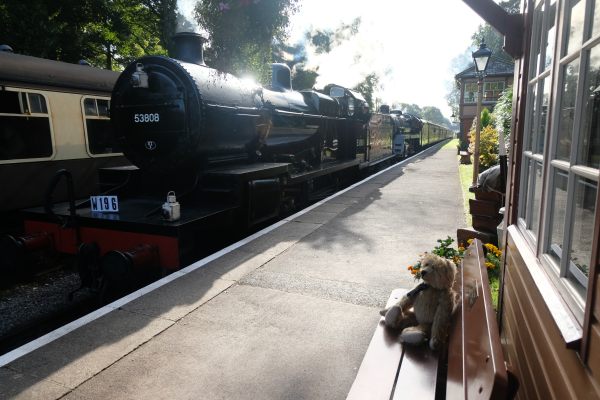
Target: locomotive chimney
281,77
187,46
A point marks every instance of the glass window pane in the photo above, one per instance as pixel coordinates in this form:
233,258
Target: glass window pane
567,110
589,144
536,38
532,120
557,214
101,137
24,137
575,25
550,36
523,195
90,107
471,92
9,102
596,20
536,183
541,132
102,108
583,230
37,103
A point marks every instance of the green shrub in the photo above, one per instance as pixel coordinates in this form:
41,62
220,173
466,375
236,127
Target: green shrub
488,147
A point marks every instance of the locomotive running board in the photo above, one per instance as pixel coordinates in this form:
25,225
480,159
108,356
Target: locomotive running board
323,170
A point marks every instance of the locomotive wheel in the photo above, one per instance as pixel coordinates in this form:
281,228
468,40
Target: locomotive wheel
12,257
117,274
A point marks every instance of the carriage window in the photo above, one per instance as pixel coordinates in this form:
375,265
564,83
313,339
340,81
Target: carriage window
100,135
37,103
10,103
90,107
23,135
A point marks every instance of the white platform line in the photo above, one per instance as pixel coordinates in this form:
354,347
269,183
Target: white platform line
70,327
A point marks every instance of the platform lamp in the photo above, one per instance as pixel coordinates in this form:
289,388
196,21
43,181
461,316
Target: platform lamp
481,57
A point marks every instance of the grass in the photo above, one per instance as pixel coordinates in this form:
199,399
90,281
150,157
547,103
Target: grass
466,178
465,171
451,144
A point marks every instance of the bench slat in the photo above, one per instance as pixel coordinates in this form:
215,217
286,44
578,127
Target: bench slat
479,364
418,374
376,377
377,372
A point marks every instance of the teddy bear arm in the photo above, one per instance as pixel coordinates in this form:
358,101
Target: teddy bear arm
405,303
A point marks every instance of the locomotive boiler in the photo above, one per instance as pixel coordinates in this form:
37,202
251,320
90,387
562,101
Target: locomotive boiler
177,113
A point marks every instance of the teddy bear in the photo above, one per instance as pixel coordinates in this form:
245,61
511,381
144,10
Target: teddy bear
424,313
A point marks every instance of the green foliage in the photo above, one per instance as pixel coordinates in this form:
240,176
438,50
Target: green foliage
303,78
502,115
241,33
493,39
486,118
434,115
107,33
367,87
413,109
488,147
444,249
325,40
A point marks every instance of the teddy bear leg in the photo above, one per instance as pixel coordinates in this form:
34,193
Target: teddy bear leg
393,316
414,334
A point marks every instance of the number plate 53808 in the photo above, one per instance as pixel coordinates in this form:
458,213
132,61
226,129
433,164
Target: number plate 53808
146,117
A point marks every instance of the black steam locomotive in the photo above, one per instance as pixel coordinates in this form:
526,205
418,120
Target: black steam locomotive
221,151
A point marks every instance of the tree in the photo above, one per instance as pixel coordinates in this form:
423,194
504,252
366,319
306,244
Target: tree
367,88
101,31
413,109
502,115
433,114
493,39
325,40
241,33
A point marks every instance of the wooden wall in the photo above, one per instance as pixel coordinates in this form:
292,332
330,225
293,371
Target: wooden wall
533,345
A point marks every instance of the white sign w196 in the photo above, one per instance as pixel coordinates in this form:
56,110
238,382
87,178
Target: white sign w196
104,203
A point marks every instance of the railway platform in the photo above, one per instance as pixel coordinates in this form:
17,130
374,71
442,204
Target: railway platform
287,313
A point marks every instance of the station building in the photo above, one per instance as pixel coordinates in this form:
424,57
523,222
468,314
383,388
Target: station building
550,302
499,76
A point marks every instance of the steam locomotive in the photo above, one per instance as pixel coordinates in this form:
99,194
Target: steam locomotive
211,152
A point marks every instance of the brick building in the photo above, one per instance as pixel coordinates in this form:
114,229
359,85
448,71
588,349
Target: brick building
499,75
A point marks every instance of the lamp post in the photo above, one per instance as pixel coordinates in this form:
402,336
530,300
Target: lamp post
481,57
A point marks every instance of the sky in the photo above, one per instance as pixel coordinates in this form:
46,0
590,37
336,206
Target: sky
411,45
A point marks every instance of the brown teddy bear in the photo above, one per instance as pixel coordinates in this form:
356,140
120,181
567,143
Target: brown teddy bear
432,304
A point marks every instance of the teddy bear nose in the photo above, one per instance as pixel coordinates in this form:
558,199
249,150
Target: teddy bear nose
424,272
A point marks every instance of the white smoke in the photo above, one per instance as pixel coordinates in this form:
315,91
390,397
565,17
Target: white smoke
408,44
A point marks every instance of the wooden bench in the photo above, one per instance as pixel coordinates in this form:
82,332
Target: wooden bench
471,367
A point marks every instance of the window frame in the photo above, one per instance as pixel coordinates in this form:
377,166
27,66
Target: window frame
28,114
85,117
577,303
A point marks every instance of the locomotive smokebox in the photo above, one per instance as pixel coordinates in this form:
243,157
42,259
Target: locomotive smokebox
187,46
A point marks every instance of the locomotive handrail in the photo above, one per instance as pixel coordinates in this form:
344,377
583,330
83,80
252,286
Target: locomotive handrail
257,110
153,105
49,202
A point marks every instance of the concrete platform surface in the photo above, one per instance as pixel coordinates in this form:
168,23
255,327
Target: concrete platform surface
288,315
